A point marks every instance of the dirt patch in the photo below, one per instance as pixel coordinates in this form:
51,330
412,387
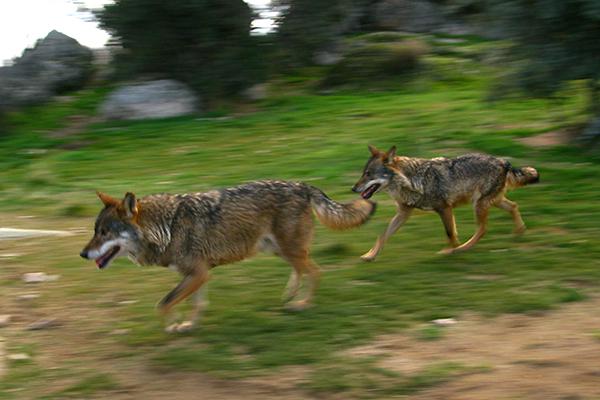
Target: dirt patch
553,355
147,383
550,139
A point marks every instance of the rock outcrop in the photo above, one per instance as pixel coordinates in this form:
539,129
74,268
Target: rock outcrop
150,99
56,64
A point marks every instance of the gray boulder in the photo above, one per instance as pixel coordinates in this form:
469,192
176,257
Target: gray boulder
54,65
325,57
256,92
151,99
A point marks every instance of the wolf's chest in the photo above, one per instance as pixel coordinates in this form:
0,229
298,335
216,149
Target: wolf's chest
411,198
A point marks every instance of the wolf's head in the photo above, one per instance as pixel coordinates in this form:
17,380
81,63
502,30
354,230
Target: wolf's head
376,174
115,232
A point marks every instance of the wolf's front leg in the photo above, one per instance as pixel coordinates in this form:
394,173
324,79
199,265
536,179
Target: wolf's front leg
189,284
397,221
199,303
447,216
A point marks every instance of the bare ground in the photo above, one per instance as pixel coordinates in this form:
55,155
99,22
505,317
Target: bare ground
553,355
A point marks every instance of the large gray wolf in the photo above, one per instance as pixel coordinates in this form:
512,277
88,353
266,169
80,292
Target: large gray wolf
440,184
192,233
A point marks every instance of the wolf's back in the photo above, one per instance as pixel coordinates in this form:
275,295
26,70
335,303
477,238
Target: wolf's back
340,216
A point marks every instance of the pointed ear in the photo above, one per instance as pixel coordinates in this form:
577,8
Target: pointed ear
374,151
107,200
129,205
390,154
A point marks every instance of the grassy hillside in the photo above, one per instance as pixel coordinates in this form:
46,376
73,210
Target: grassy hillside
296,134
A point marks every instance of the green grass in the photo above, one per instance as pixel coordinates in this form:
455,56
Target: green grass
320,139
430,333
86,387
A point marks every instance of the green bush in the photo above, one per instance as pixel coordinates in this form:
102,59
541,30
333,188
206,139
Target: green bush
305,27
554,42
376,62
204,43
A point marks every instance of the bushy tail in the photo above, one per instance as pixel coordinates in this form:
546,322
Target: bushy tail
339,216
518,177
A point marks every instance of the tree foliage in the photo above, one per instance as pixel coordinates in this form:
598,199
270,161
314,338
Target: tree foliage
307,26
555,40
205,43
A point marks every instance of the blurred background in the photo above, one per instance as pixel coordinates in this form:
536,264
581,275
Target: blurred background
185,96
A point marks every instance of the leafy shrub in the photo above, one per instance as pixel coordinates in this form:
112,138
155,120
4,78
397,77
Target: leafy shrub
376,62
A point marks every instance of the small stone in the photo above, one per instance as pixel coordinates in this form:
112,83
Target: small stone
18,357
29,296
127,302
42,324
4,320
10,255
444,321
120,332
37,277
34,277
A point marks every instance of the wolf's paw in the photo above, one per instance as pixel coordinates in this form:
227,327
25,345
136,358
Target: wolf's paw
447,251
182,327
519,230
287,297
299,305
368,257
172,328
185,326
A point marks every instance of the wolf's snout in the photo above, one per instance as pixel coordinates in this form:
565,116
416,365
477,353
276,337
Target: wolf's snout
355,189
83,254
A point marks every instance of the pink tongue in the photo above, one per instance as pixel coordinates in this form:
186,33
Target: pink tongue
100,261
367,193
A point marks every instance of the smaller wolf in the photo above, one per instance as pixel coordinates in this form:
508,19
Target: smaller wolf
440,184
192,233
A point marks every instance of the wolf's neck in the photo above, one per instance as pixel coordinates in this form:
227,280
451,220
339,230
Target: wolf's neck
155,224
406,164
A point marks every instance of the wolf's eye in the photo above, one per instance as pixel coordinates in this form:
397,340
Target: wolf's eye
103,232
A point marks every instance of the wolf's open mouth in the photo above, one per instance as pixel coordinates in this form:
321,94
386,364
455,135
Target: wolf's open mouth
370,191
105,258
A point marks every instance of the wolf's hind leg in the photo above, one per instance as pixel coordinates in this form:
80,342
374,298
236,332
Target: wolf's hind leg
447,216
513,209
293,235
292,286
305,264
397,221
481,214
